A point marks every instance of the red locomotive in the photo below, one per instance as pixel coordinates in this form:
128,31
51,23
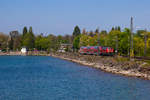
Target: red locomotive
96,50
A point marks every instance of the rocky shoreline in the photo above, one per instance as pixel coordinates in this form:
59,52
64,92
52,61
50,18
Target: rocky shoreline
131,69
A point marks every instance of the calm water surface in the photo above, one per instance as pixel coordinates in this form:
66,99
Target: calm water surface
48,78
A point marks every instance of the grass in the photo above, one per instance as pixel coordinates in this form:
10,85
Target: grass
121,59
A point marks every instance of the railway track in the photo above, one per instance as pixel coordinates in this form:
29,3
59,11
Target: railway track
138,58
142,58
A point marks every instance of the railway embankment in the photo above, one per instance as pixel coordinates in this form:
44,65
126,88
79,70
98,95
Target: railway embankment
117,64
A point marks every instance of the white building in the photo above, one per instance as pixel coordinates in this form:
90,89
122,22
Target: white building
23,50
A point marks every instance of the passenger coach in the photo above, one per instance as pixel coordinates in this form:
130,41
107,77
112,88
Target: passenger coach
96,50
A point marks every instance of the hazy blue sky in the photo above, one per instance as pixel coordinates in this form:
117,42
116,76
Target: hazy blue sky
61,16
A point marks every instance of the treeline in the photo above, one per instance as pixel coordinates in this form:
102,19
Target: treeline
116,38
15,41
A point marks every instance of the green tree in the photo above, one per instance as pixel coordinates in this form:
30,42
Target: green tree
112,29
84,40
60,39
29,41
93,41
140,33
104,39
138,46
124,44
104,32
91,34
119,29
3,41
76,43
114,37
45,42
30,30
54,43
25,31
97,31
38,42
76,31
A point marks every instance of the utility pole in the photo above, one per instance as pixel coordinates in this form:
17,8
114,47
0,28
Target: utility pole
131,38
145,42
99,39
98,33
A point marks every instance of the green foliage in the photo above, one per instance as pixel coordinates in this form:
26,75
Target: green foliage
112,29
124,43
76,31
103,39
121,59
138,46
28,41
140,32
87,40
97,31
54,43
84,40
114,38
76,42
3,41
25,30
30,30
42,43
104,32
117,39
93,41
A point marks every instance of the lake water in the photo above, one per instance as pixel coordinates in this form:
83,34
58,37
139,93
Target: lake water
48,78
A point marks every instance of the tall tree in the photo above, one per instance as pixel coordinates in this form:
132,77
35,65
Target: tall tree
112,29
30,30
76,43
3,41
104,32
54,43
42,43
25,31
76,31
124,44
29,39
119,29
115,35
91,34
97,31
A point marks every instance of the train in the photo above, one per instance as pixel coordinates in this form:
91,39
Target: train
96,50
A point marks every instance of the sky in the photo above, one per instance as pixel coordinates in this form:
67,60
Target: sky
59,17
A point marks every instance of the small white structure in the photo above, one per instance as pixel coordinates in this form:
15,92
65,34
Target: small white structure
65,47
61,50
24,50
